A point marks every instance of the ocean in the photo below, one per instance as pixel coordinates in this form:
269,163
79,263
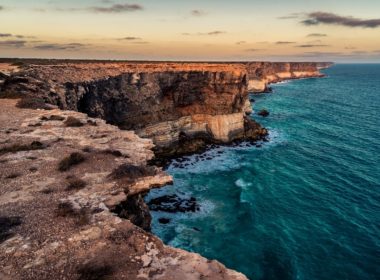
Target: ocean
305,204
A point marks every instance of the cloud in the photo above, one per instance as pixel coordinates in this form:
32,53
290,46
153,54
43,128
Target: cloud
1,8
113,9
129,38
57,47
241,42
317,18
290,16
316,35
312,45
198,13
117,8
13,43
252,50
7,35
2,35
211,33
284,43
215,33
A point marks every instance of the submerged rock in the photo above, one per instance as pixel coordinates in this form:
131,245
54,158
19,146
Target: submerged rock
263,113
164,220
173,203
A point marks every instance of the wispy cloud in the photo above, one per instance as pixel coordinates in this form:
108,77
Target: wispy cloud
317,18
252,50
117,8
55,47
13,43
316,35
198,13
107,9
129,38
284,43
241,43
8,35
290,16
312,45
2,35
1,8
211,33
214,33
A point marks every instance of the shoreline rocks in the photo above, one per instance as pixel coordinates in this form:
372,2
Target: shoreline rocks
263,113
173,204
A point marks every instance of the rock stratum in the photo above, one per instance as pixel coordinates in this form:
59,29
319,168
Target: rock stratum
74,174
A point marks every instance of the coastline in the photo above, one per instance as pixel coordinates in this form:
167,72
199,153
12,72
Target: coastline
156,259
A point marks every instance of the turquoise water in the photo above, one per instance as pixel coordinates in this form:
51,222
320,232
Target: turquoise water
305,205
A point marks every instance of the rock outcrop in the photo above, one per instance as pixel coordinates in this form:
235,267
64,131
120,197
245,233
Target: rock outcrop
261,74
54,228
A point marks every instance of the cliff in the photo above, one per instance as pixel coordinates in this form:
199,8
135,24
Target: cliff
76,219
181,107
72,184
261,74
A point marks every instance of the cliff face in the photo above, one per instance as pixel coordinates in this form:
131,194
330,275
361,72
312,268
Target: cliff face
261,74
179,110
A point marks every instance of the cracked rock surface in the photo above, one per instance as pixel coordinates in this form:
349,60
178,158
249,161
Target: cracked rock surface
60,224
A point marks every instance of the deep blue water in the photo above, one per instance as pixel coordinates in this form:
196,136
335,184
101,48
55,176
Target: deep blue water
305,205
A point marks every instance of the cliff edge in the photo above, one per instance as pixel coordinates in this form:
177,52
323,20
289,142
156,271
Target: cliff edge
71,189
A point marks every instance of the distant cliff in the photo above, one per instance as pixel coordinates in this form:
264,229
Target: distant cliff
261,74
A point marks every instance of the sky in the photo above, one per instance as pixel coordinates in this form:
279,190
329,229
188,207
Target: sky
197,30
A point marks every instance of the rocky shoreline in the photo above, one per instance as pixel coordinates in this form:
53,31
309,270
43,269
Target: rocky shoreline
73,183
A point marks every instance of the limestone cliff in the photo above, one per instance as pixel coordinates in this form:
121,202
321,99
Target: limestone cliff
261,74
181,109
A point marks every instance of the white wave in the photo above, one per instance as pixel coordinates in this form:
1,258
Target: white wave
242,184
282,82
